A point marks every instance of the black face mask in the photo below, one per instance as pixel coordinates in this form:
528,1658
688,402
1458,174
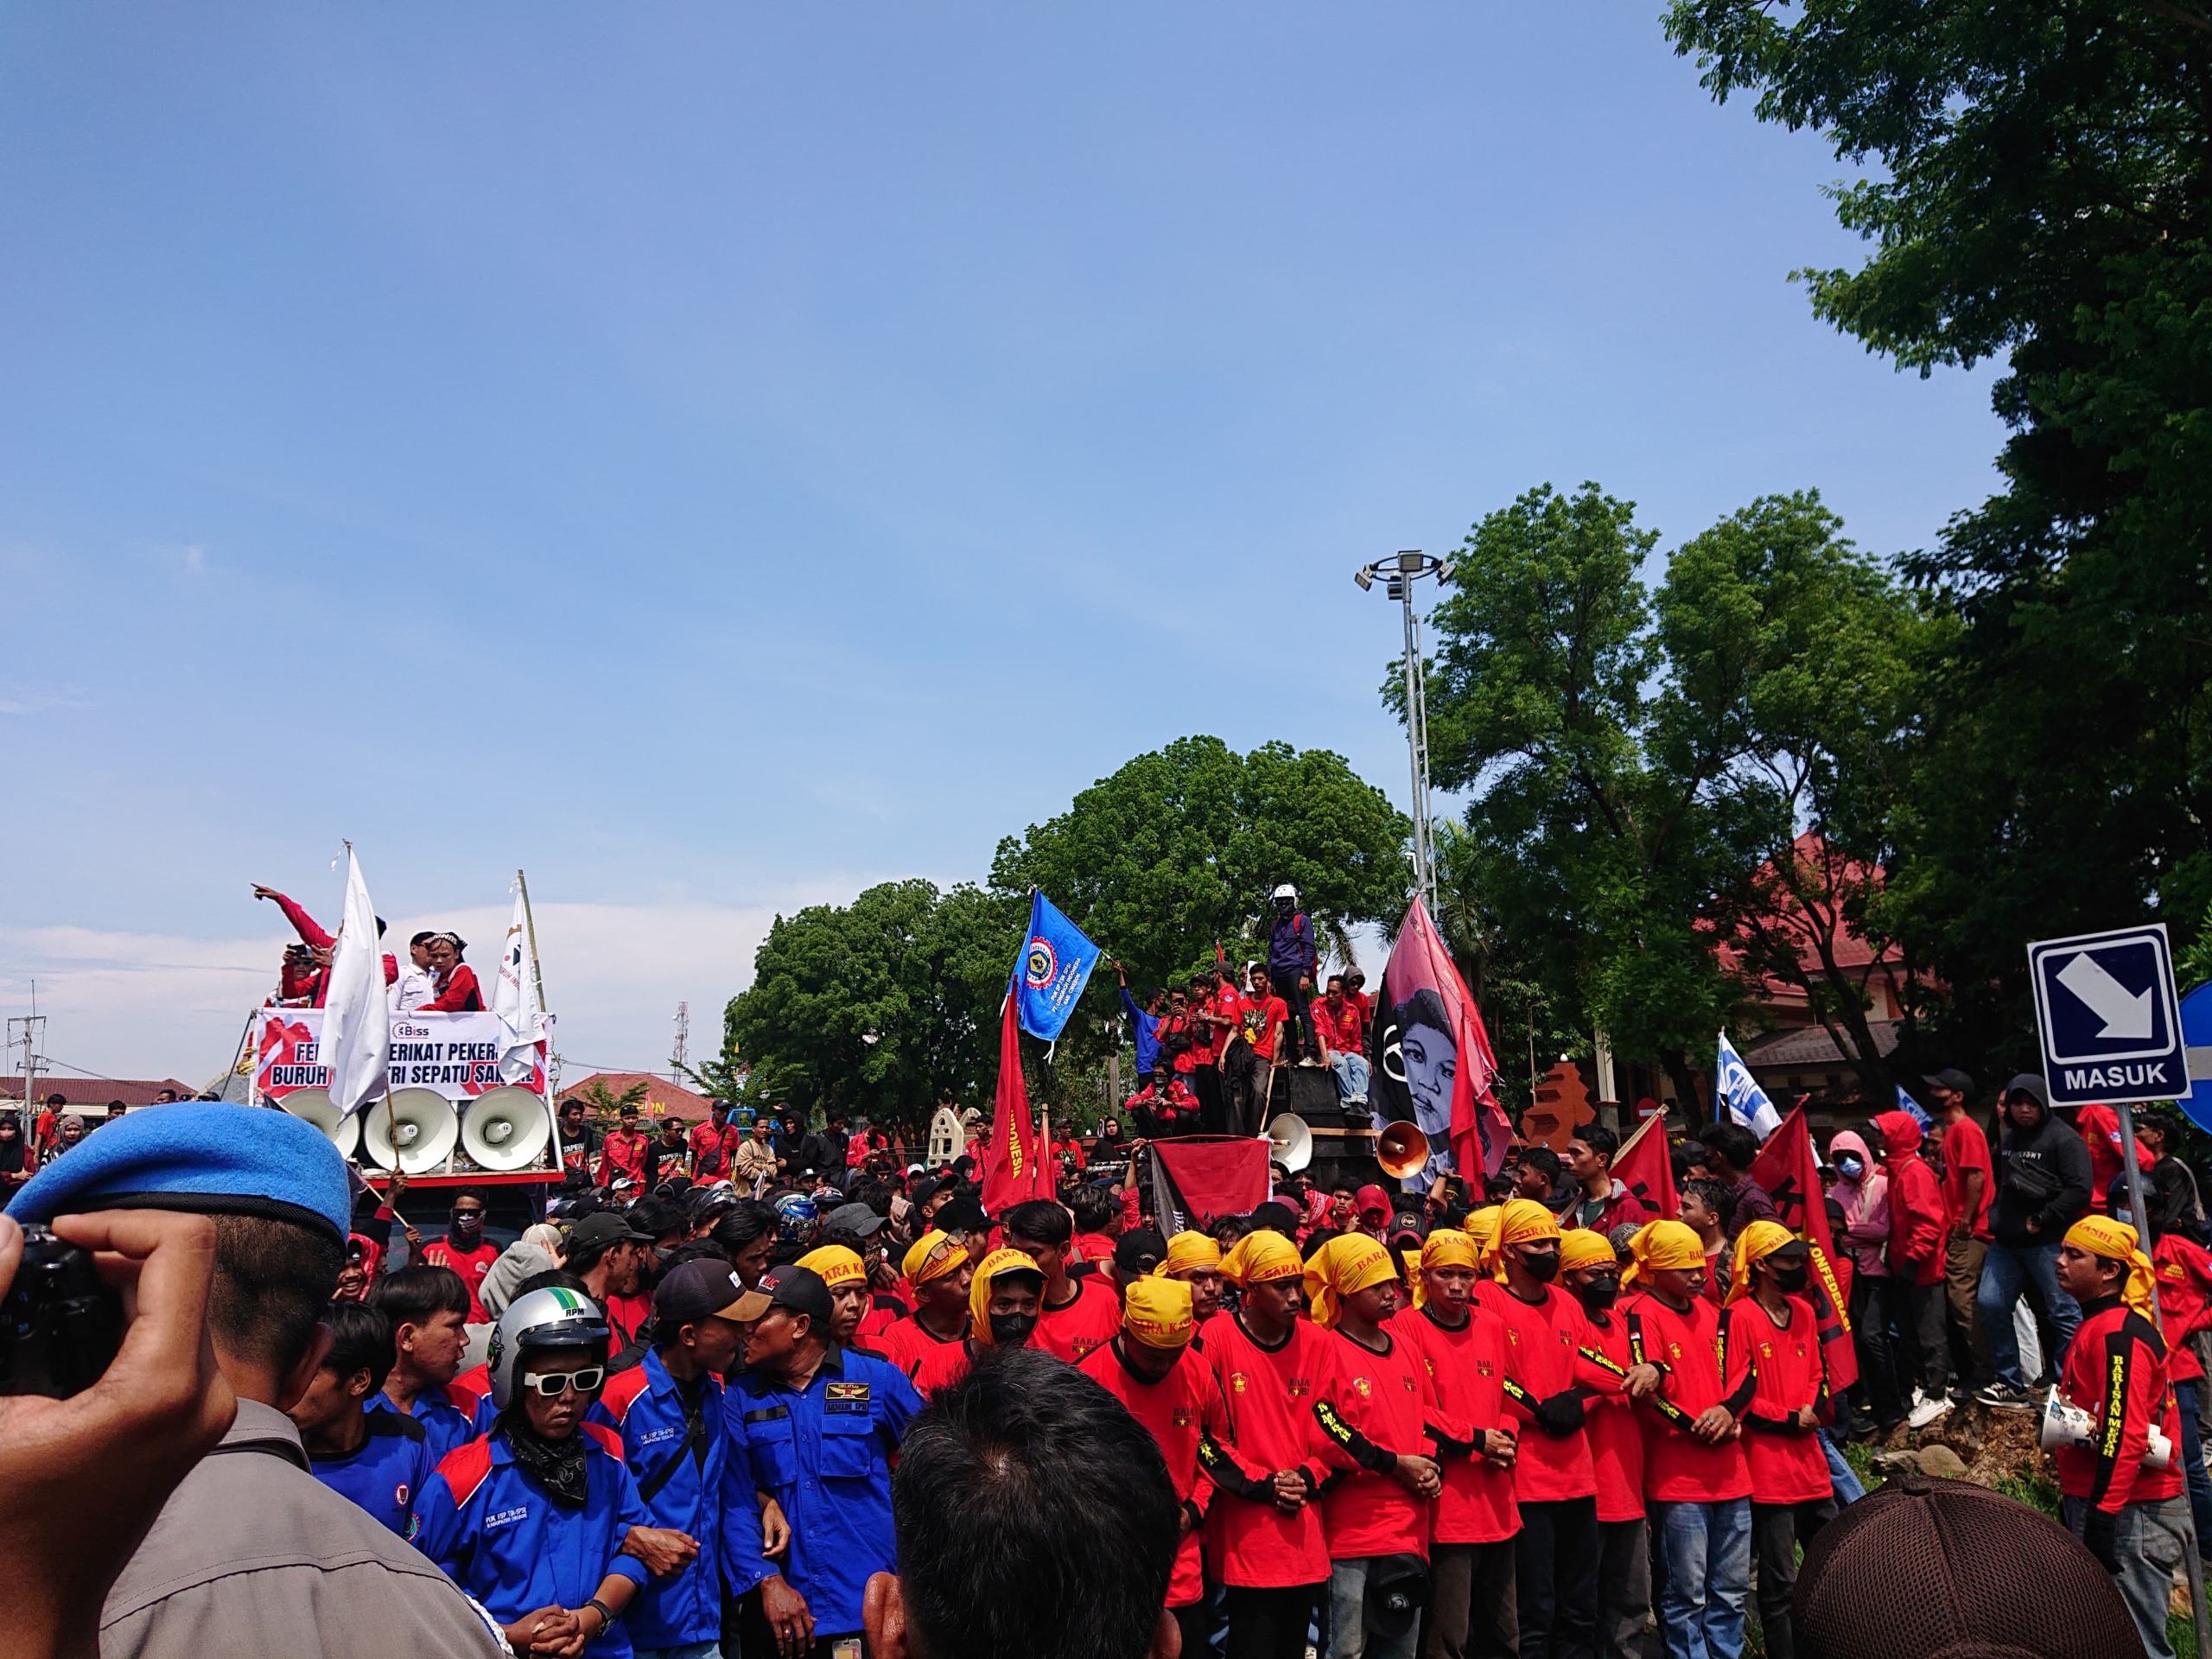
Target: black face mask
1542,1269
1787,1280
1012,1329
1600,1295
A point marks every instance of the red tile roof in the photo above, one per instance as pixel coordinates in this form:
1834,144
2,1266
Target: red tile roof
95,1092
662,1098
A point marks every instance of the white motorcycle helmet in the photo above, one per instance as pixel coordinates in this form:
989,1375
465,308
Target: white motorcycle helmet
1286,891
553,1317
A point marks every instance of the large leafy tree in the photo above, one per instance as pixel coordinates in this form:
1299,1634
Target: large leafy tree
1179,848
888,1006
2042,179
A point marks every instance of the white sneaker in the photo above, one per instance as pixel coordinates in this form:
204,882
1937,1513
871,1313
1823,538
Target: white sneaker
1925,1411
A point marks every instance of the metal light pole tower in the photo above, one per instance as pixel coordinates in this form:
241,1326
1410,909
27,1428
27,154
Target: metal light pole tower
1399,574
683,1050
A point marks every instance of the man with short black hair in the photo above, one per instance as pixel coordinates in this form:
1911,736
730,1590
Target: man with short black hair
1034,1516
428,1310
1729,1151
1079,1315
609,1255
252,1553
622,1154
464,1248
1604,1201
356,1445
578,1138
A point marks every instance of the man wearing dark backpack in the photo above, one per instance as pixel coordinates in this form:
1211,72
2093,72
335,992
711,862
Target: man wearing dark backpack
2043,1188
1292,961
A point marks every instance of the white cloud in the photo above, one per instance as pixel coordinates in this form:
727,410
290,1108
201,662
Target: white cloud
144,1005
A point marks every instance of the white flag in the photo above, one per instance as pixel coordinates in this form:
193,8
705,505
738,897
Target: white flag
514,1000
356,1017
1739,1094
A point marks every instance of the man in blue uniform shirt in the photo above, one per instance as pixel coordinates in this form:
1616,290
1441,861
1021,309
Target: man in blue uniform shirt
815,1428
376,1458
428,1310
669,1412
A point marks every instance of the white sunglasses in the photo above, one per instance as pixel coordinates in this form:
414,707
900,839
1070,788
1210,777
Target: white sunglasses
553,1384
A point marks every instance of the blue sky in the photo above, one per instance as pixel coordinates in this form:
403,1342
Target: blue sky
718,457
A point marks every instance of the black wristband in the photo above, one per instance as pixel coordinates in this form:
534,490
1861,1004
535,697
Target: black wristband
606,1613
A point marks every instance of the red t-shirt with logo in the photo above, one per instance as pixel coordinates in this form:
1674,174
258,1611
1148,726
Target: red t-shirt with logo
1262,1018
1965,1147
1677,1467
1340,1030
1467,1368
2185,1272
1176,1411
1788,1466
1088,1322
1386,1397
1270,1394
908,1343
713,1148
1616,1441
1542,1354
471,1265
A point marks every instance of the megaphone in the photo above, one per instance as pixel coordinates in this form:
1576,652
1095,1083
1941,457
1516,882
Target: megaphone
420,1122
1290,1142
1402,1149
2065,1425
315,1105
504,1128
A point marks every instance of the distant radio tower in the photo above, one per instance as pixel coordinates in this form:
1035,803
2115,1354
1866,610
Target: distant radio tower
683,1036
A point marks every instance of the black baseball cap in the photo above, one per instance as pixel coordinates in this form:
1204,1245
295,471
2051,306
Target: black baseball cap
1138,1251
701,1289
1949,1077
801,1290
855,1218
604,1227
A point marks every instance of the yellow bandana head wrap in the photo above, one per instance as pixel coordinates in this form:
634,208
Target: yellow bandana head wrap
1157,1312
838,1266
1482,1227
1522,1221
1666,1245
1346,1265
979,1294
2116,1242
1188,1250
1580,1248
1445,1247
1758,1239
931,1256
1259,1257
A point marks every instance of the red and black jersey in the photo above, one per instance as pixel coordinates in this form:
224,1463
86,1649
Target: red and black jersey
1270,1394
1467,1370
1544,1355
2116,1371
1180,1412
1787,1464
1616,1438
1377,1408
1678,1468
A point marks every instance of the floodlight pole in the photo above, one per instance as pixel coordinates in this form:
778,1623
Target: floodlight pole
1399,574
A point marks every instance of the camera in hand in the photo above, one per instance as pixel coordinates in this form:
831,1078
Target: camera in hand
61,1324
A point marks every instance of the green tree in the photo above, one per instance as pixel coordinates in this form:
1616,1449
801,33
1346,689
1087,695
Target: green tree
604,1104
2041,179
1180,848
887,1007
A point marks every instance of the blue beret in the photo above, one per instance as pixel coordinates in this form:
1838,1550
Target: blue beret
208,1157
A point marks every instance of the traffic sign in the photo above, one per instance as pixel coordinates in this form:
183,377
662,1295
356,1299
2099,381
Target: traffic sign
2108,1017
2196,1034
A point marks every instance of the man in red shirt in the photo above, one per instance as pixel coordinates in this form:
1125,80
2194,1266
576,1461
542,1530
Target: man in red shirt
622,1151
1342,1031
2099,1127
1148,1367
2130,1515
1079,1315
940,1273
1591,1274
1696,1481
2185,1272
1793,1495
1195,1260
1002,1303
1554,1480
313,935
1377,1406
465,1249
1917,1234
1969,1185
1604,1202
456,980
1471,1551
1264,1537
714,1144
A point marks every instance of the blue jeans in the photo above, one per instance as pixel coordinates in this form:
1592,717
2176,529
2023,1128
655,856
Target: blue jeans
1348,1634
1840,1477
2003,1274
1351,1077
1707,1577
2186,1395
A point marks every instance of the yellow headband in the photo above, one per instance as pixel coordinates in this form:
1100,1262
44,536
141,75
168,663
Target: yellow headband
931,1256
1522,1221
1445,1247
1346,1265
1580,1248
2116,1241
1256,1258
1664,1245
1758,1239
838,1266
1189,1250
979,1294
1482,1227
1157,1312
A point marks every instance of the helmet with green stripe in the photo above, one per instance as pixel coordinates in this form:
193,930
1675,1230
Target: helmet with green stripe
556,1317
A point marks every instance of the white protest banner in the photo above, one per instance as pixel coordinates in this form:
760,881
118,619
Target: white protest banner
456,1054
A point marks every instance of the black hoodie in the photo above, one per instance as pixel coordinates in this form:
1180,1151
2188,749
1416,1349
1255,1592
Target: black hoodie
2043,1174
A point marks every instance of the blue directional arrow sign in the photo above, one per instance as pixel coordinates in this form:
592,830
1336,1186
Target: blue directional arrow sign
2108,1017
2196,1034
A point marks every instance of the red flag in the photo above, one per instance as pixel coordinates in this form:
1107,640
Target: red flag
1646,1167
1432,1060
1787,1169
1200,1178
1015,1168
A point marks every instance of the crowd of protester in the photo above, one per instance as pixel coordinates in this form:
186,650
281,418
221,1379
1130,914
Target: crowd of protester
753,1389
436,979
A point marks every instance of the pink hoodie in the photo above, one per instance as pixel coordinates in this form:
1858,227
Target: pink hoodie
1865,1207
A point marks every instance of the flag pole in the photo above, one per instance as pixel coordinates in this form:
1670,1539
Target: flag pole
529,926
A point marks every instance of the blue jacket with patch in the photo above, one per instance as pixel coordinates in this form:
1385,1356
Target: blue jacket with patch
825,1454
499,1535
683,1488
385,1474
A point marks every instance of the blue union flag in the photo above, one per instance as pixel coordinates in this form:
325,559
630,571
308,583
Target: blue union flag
1054,966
